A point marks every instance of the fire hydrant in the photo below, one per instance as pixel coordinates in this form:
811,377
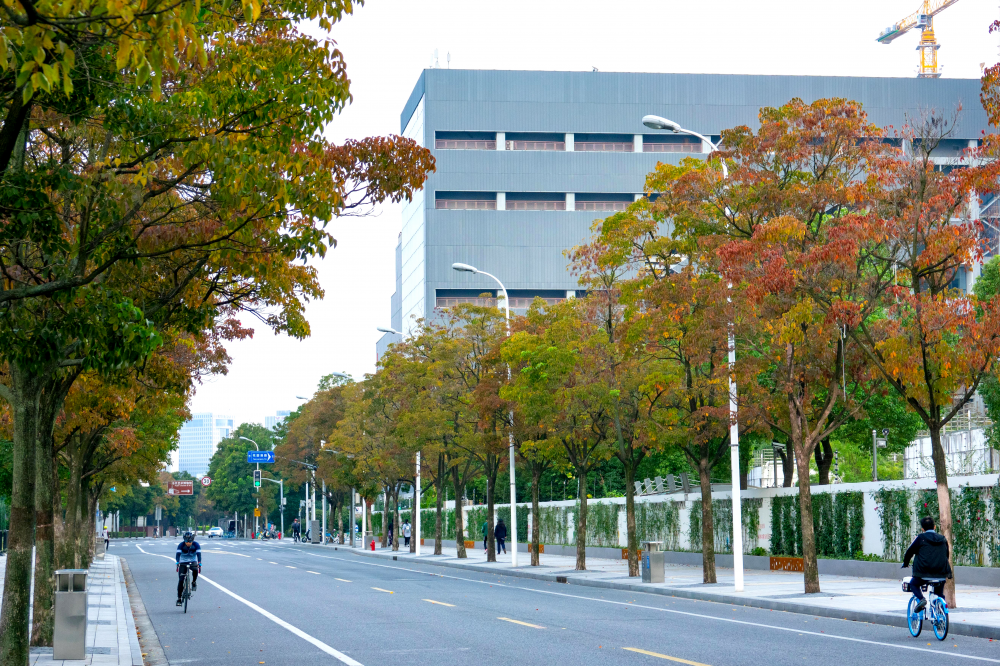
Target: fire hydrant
373,544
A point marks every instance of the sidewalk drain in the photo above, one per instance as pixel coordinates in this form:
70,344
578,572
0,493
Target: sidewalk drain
561,579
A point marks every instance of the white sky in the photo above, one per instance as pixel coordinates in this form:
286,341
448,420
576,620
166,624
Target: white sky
388,42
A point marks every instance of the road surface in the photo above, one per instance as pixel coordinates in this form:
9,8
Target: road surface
284,603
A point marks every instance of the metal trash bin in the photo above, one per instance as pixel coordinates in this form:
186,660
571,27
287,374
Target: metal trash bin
69,635
314,532
652,562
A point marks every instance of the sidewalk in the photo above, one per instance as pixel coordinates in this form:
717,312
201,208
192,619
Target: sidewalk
878,601
111,637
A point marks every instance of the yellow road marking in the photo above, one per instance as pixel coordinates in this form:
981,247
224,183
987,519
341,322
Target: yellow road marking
526,624
663,656
439,603
344,580
381,590
312,572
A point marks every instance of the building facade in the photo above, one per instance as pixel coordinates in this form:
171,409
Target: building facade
526,161
199,438
271,422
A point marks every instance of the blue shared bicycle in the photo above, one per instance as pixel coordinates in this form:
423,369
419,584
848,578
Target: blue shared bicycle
936,610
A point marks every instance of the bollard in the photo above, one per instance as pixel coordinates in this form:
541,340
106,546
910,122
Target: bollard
69,632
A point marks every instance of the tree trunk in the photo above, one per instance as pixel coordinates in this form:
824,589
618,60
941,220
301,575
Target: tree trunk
340,524
395,518
810,567
17,577
439,504
385,518
45,495
707,524
786,465
632,536
824,461
944,507
581,523
491,546
536,477
459,515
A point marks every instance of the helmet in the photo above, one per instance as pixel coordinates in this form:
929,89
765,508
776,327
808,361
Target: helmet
189,536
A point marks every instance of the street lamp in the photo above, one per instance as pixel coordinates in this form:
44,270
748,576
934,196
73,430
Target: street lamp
466,268
385,329
247,439
660,123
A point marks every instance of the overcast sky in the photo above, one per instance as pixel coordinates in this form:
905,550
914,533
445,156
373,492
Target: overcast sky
388,42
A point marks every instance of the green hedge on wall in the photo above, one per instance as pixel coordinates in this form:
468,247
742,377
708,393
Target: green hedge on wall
658,522
838,523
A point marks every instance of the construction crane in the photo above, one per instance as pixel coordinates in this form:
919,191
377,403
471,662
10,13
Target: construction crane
923,18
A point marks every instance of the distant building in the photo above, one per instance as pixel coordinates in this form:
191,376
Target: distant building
199,438
271,422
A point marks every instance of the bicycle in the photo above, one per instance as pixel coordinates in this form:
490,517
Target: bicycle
188,582
936,610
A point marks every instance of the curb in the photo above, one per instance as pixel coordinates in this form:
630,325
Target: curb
152,652
871,617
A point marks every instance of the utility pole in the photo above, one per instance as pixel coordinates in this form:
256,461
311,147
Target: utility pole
322,536
416,508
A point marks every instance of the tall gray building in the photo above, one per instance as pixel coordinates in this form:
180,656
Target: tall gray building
526,161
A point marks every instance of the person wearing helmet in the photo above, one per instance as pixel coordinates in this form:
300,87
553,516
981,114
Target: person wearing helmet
188,556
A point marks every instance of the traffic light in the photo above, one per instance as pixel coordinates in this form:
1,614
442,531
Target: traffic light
256,478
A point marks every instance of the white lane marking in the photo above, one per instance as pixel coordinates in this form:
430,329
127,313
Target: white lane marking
336,654
225,552
289,566
342,580
679,612
313,572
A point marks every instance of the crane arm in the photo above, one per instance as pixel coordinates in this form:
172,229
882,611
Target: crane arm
929,8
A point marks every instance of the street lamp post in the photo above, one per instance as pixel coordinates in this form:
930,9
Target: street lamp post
656,122
247,439
465,268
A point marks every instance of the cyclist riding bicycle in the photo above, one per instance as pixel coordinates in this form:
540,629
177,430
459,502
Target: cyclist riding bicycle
188,556
296,530
929,552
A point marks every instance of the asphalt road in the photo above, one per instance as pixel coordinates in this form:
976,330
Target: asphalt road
276,604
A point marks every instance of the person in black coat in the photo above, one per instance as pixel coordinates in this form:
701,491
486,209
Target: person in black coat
929,552
500,534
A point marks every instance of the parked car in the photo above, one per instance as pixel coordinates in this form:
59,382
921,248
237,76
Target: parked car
215,532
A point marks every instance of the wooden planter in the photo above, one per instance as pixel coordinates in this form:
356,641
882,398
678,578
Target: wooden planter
786,564
470,544
625,553
541,548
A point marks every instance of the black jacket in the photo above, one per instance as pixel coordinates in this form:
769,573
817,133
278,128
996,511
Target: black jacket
929,552
500,531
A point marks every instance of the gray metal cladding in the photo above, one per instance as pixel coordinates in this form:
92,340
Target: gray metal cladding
503,101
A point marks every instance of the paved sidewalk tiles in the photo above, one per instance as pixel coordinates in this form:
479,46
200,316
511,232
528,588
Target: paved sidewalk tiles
111,636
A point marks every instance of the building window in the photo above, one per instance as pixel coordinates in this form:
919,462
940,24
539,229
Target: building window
465,141
465,200
534,141
605,143
605,203
669,143
519,298
535,201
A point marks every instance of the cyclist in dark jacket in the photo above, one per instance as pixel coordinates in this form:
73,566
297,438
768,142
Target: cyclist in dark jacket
929,552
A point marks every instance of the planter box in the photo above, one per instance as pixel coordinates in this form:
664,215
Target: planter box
541,548
470,544
625,553
786,564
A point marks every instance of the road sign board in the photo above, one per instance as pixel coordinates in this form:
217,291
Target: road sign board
180,487
256,513
260,456
206,481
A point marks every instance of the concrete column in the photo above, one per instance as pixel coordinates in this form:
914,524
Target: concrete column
871,537
637,197
501,201
569,143
571,293
501,141
705,148
622,528
570,200
684,520
637,143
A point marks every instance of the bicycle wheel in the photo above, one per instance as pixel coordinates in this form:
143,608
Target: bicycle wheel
187,589
914,619
940,620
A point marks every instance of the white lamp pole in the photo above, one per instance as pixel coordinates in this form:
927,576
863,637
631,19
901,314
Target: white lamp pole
465,268
656,122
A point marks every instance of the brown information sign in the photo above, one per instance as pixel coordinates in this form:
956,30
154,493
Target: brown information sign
180,487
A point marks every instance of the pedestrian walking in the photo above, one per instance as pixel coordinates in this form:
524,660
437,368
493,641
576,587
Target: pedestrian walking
406,534
107,537
486,537
390,533
500,534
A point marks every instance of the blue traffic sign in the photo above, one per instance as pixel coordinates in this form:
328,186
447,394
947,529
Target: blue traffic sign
260,456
